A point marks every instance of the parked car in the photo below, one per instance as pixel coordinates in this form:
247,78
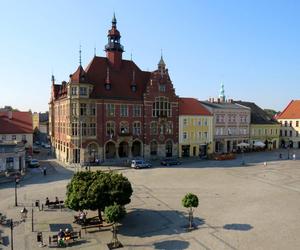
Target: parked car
140,164
36,150
34,163
170,161
47,145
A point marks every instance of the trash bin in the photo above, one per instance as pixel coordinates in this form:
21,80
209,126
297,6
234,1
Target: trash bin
39,237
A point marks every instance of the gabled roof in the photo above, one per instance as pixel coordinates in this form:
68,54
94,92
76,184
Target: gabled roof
20,123
258,115
191,106
292,111
120,79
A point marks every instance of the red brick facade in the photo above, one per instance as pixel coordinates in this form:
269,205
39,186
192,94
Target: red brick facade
113,110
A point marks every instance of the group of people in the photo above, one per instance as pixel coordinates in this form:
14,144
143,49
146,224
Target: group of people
48,202
63,237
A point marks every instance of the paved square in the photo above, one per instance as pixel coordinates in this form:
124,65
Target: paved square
249,207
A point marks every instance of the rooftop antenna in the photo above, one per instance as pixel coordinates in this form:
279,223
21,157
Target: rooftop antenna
95,51
131,56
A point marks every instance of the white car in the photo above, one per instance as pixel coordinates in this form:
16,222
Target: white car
34,163
47,146
140,164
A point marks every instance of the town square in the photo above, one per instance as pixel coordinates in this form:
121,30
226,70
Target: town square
150,125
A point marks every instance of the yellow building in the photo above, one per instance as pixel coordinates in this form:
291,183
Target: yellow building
262,127
195,129
35,120
289,119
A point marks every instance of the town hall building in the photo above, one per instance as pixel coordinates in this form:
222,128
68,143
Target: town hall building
113,110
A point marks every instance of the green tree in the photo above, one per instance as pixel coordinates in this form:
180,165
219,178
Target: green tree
77,189
97,190
113,214
190,201
107,189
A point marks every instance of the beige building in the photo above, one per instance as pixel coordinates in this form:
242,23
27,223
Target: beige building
289,119
231,124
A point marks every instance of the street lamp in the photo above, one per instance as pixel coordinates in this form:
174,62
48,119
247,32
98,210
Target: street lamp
17,180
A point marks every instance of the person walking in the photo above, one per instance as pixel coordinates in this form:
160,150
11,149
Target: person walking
294,156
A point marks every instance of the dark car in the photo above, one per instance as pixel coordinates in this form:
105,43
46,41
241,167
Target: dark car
170,161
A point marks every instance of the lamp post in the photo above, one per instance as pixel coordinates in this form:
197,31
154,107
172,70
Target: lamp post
17,180
12,234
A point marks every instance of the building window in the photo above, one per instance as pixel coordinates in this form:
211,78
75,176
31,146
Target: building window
92,109
205,122
153,128
74,90
74,108
285,133
107,86
205,135
92,129
123,110
124,128
137,111
285,123
83,91
13,137
136,128
184,135
162,88
153,148
161,107
297,133
110,110
184,122
297,123
3,137
23,137
291,133
82,108
291,123
110,129
10,162
169,128
74,128
83,129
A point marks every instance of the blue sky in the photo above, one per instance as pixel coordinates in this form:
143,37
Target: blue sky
250,46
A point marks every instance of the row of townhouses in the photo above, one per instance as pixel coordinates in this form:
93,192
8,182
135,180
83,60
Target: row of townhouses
112,109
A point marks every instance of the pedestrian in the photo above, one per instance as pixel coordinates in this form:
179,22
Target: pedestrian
44,171
294,156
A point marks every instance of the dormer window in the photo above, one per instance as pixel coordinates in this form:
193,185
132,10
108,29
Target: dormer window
133,88
107,86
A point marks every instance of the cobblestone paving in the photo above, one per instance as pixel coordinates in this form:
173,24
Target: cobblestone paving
240,207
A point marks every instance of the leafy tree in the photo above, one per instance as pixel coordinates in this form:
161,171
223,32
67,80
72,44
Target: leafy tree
77,191
114,214
190,201
97,190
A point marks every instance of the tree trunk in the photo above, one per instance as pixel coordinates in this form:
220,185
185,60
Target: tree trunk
100,215
191,217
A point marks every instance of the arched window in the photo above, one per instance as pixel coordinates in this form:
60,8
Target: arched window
124,127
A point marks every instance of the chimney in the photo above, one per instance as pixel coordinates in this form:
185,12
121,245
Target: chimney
9,115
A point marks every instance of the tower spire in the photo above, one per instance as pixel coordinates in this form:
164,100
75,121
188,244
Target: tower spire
79,54
114,21
222,93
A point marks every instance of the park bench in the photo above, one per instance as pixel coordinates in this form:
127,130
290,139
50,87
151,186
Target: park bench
54,238
85,227
55,204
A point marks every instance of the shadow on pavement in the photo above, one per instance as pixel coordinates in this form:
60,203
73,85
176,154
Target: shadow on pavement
171,245
147,223
238,227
